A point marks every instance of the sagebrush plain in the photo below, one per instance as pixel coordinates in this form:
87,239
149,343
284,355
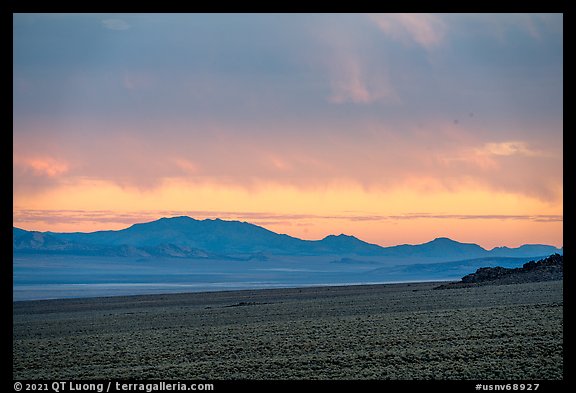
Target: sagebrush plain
394,331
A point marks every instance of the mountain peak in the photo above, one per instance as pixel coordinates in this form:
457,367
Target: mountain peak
443,239
340,236
443,246
177,218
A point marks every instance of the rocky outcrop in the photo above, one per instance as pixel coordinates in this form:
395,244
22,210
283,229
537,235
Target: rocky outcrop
547,269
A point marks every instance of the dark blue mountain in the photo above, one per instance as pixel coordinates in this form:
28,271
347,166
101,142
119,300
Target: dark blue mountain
526,250
345,244
188,237
439,247
213,236
22,240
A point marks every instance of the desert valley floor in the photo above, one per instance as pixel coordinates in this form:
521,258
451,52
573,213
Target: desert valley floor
394,331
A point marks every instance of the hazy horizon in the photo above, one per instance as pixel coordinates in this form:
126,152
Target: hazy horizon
393,128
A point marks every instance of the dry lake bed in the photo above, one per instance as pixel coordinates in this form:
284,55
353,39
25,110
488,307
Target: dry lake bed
391,331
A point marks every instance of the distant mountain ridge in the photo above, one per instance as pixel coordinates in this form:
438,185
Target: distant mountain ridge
215,238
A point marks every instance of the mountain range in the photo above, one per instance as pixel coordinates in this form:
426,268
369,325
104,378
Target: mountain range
187,237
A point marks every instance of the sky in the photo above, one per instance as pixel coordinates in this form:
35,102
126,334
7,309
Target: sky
394,128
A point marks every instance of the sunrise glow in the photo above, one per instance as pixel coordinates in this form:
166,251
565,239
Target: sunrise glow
392,128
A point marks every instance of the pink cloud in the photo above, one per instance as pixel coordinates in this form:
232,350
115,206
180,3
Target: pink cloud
509,148
426,30
187,166
350,82
42,166
350,87
355,71
368,153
